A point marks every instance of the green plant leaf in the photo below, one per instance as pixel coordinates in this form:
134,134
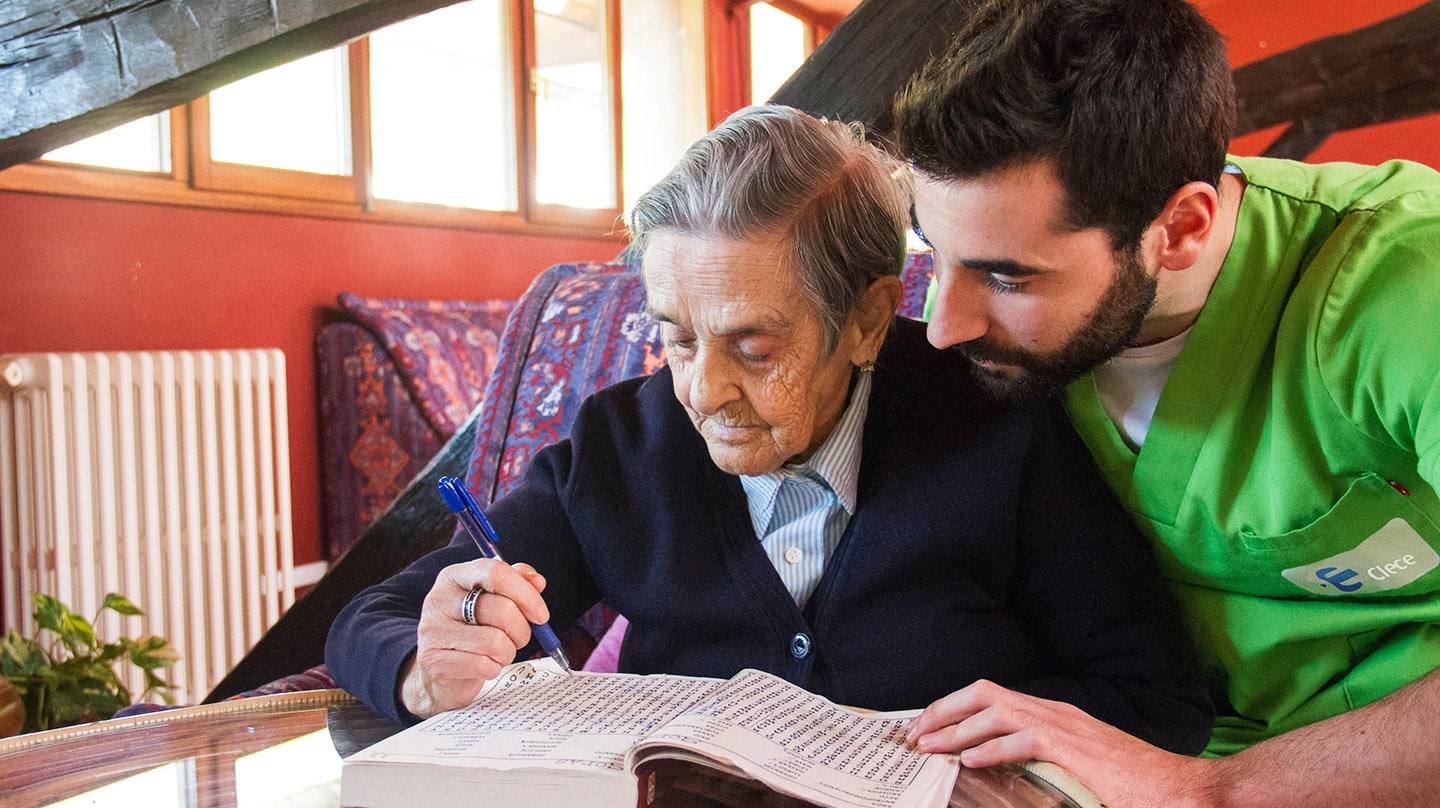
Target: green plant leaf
73,678
49,612
151,651
119,603
50,676
110,652
99,672
21,656
77,634
154,685
87,700
67,672
121,691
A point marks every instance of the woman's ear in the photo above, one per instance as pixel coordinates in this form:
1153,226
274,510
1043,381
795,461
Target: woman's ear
872,317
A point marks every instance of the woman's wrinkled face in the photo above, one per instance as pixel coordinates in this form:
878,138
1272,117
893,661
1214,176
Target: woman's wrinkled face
747,353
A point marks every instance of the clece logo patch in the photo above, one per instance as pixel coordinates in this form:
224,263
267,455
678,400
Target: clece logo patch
1391,558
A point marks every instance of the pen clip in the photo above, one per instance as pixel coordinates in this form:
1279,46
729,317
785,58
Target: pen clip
459,500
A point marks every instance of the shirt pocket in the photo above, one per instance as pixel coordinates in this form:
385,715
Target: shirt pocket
1372,543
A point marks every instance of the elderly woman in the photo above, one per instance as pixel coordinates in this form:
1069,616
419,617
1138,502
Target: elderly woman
808,488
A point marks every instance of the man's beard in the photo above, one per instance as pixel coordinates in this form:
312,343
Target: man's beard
1111,329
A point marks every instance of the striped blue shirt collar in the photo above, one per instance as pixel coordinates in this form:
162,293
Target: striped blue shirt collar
836,462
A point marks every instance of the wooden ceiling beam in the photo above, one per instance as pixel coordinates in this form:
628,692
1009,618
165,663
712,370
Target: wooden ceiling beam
75,68
856,72
1384,72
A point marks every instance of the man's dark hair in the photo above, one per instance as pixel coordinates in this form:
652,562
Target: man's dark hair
1130,99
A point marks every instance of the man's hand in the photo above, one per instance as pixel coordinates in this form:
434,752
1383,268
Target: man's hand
455,659
1380,754
988,725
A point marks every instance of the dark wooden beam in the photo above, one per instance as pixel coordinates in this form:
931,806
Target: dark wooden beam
1299,140
856,72
1385,72
73,68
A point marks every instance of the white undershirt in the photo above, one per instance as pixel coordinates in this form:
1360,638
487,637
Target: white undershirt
1131,382
1130,385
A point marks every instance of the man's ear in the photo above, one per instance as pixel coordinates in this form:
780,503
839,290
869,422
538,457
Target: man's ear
1185,225
872,318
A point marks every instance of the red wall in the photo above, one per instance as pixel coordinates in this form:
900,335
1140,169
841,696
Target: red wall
1255,30
81,275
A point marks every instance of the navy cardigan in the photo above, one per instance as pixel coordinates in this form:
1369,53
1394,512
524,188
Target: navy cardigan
983,545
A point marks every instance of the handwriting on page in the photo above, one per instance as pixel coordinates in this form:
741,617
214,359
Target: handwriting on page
760,722
533,715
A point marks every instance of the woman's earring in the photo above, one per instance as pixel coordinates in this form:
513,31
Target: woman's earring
868,366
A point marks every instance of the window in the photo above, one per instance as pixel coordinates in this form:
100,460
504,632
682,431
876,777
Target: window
430,143
142,145
662,62
293,116
779,42
491,113
756,46
574,93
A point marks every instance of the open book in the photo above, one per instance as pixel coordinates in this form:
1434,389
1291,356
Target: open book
538,737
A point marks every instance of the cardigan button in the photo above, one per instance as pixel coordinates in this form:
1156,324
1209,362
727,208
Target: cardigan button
800,645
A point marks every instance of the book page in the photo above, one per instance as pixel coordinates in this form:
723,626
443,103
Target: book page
806,746
536,716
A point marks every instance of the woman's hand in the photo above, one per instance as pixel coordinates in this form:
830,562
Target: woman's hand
454,658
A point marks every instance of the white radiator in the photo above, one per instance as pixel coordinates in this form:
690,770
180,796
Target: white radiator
164,476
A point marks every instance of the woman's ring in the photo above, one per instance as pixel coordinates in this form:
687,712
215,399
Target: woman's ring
467,606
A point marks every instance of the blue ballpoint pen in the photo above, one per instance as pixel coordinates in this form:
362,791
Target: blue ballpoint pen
468,510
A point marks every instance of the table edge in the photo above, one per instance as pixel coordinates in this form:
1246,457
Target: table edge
253,705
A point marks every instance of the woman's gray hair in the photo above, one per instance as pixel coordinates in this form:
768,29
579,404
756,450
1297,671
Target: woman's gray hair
841,203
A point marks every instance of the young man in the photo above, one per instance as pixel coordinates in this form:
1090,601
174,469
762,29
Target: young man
1249,349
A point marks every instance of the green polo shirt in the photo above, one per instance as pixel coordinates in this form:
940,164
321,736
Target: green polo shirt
1288,479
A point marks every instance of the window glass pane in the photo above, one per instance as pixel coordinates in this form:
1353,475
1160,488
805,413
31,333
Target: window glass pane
574,150
441,107
142,145
663,75
294,116
777,47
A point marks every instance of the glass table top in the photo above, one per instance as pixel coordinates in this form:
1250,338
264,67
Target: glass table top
268,751
285,751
